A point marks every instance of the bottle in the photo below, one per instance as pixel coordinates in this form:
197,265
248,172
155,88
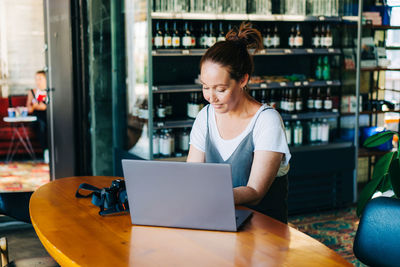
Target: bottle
318,69
158,37
143,111
161,108
288,132
319,131
253,94
316,39
290,104
212,37
328,100
328,37
313,134
283,102
190,104
171,141
322,36
165,143
176,39
204,37
184,140
268,38
156,144
273,99
197,105
326,69
292,37
168,106
193,37
298,40
325,131
298,134
310,100
299,101
318,101
187,37
263,97
167,36
221,33
275,38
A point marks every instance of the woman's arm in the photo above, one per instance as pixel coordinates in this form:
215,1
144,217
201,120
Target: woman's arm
195,155
41,106
263,172
29,103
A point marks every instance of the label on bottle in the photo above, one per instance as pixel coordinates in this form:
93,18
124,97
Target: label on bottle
299,105
325,132
328,41
184,142
319,132
318,104
187,41
156,145
158,41
220,38
313,133
322,41
193,41
165,146
316,41
176,41
298,135
167,41
290,106
272,104
190,110
143,114
283,105
328,104
276,41
310,104
268,41
291,41
203,41
161,112
298,41
288,133
265,41
168,110
211,40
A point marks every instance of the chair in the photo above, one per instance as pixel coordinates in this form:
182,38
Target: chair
377,238
16,205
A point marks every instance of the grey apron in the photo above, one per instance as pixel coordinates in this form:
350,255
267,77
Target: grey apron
274,203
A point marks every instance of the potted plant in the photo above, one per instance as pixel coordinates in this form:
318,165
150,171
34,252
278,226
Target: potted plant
386,175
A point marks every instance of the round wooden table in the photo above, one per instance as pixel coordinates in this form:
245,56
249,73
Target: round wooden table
75,234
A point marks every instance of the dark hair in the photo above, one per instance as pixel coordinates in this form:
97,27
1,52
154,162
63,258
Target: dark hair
41,72
233,53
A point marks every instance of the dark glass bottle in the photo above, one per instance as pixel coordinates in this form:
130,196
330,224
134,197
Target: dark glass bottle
212,37
318,101
167,36
290,102
263,97
221,33
298,40
275,38
158,37
187,37
292,37
310,100
161,108
204,36
299,101
316,39
176,38
328,100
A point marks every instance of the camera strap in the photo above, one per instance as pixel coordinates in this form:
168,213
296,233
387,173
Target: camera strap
109,200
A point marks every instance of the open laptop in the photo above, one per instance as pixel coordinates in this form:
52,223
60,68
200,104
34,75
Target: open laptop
180,194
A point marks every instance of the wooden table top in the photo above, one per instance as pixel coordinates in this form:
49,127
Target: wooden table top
75,234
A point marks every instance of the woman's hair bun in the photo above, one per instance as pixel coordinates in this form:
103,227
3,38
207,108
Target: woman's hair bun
247,35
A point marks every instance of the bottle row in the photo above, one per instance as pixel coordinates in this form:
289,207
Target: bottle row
169,142
264,7
188,35
175,142
309,132
290,100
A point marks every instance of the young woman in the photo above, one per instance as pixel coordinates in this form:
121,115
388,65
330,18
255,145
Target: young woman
36,104
236,129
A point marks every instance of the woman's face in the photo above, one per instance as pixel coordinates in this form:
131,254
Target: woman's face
40,80
222,92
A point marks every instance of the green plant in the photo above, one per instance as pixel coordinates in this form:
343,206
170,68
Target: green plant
386,174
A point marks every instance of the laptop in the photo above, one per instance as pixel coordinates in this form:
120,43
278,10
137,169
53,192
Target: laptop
182,195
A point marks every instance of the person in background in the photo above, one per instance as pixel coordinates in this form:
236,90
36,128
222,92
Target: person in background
236,129
36,104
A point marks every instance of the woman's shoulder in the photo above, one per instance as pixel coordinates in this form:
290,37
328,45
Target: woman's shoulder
269,117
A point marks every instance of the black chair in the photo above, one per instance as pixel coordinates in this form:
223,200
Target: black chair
377,241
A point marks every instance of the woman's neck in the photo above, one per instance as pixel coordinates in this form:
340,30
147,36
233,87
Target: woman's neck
246,107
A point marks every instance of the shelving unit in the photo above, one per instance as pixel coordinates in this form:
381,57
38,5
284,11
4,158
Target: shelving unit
172,72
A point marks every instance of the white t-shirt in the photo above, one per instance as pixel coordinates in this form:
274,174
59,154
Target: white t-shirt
268,135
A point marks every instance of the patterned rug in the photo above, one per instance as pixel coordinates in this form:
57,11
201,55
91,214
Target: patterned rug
23,176
336,229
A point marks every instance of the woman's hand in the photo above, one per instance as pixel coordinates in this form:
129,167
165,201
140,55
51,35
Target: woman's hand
263,172
195,155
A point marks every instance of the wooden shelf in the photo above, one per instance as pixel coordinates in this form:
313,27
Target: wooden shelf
254,86
364,152
369,112
380,69
263,52
320,146
385,27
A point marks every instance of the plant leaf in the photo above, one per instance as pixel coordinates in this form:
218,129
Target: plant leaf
378,139
367,193
394,172
382,166
386,184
